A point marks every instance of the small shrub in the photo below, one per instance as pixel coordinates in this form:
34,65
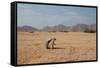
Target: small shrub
90,31
64,31
31,32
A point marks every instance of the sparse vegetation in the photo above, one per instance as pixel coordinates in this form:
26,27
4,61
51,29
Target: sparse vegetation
31,32
90,31
64,31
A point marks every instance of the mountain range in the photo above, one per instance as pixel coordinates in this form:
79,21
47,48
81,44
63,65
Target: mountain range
59,28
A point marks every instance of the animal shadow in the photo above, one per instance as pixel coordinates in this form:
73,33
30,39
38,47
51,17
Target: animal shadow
57,48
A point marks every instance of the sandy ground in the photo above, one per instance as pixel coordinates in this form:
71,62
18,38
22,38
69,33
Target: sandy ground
70,46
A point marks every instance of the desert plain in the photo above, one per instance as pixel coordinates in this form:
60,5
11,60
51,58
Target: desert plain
70,46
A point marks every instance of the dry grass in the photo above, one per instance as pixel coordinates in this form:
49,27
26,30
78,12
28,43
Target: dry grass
71,46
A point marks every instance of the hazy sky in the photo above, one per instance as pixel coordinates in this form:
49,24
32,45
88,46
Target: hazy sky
47,15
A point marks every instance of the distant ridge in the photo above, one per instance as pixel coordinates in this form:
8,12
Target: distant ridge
79,28
59,28
26,28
